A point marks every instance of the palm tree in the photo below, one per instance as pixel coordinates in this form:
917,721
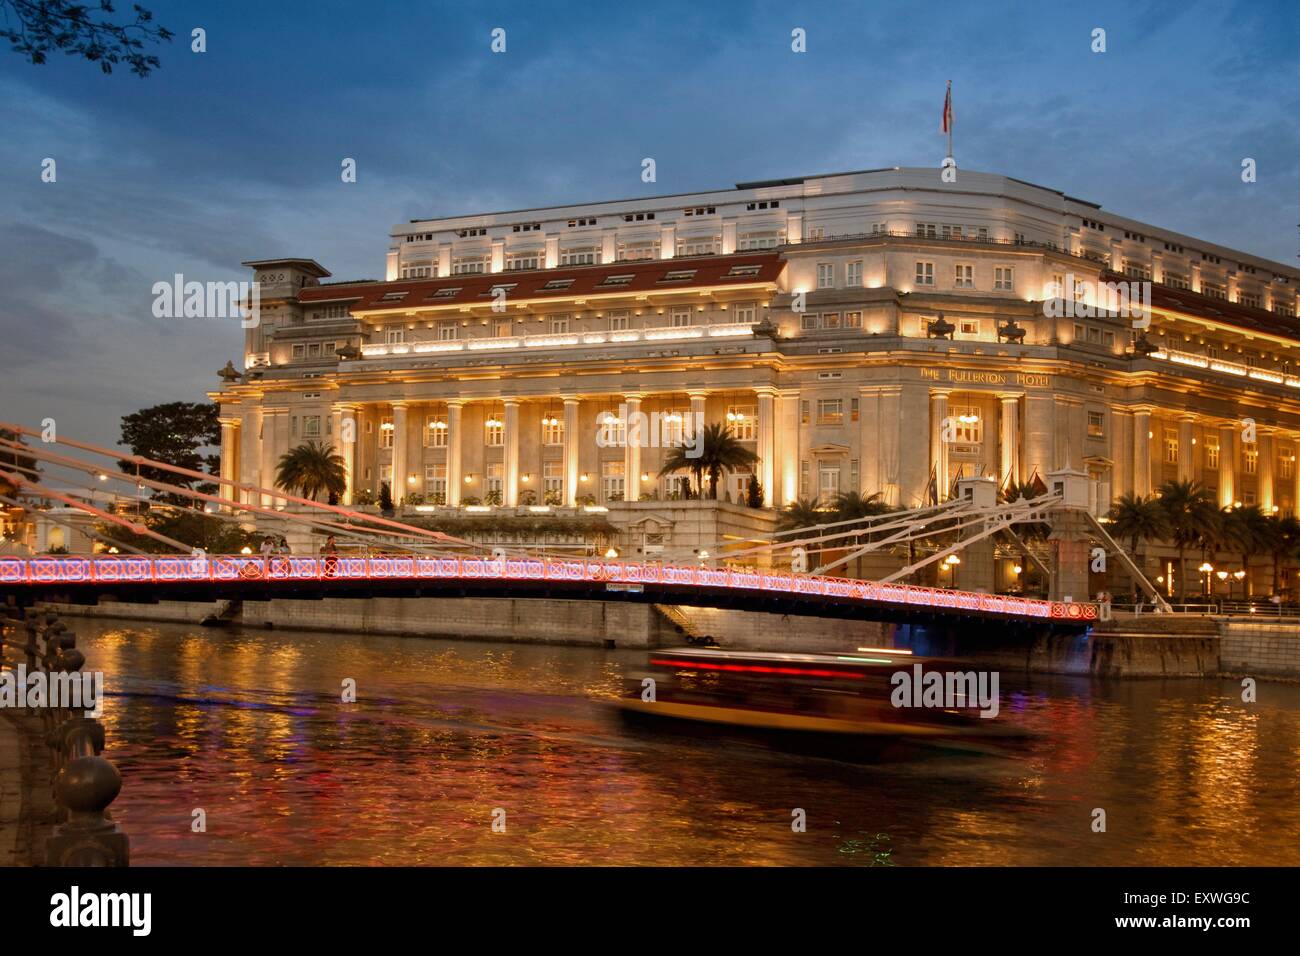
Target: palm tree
1249,530
1139,518
854,505
1285,543
802,513
311,469
1193,516
720,452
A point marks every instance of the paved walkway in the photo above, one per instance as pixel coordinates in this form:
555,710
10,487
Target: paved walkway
12,768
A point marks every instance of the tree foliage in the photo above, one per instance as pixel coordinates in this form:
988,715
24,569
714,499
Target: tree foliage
175,433
36,28
194,530
14,461
311,469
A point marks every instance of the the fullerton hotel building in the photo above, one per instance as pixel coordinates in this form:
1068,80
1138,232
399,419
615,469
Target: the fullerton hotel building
879,331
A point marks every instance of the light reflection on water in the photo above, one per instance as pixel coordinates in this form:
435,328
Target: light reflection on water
248,726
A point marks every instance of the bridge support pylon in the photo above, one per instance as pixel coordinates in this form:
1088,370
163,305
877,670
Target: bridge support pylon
1071,537
978,568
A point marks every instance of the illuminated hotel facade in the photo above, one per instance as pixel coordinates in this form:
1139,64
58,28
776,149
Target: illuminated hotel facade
878,331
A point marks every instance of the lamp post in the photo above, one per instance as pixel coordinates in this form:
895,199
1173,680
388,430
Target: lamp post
1239,575
951,563
1206,570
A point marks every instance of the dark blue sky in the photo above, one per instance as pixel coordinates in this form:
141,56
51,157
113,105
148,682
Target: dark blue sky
234,154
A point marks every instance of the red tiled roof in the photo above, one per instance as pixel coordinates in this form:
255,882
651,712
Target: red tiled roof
646,276
1216,310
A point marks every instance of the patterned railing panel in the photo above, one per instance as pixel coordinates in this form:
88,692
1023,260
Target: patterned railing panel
171,569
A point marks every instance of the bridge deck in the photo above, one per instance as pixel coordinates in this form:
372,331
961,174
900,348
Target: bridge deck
214,577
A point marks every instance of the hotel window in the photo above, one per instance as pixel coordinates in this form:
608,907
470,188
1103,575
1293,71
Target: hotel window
619,321
1137,270
830,411
830,320
553,482
699,247
927,230
447,331
463,267
679,318
578,257
435,484
559,324
1286,467
1212,454
1003,279
803,479
803,412
1249,299
614,427
742,422
853,274
672,427
816,233
1284,309
313,350
925,273
386,476
970,327
745,314
1096,425
386,431
293,426
435,432
1171,446
527,260
416,272
828,484
612,478
825,275
808,321
1214,290
968,426
1176,280
502,328
963,276
494,432
1250,460
298,351
633,252
552,430
769,240
951,232
495,482
311,426
395,336
880,228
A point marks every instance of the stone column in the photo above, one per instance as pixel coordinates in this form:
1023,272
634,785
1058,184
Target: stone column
938,446
571,452
698,412
250,452
1186,450
400,484
766,445
1009,440
510,455
272,421
1227,465
345,433
636,434
787,448
229,457
454,480
1264,471
1038,448
1142,451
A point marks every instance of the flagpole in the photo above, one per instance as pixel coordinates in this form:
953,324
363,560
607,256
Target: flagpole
950,114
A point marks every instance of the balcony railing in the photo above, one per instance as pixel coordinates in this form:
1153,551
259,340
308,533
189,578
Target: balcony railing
559,340
1227,368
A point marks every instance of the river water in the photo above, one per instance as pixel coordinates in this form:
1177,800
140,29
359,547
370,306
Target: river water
248,726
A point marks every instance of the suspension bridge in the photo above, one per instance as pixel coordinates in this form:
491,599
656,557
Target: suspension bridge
384,557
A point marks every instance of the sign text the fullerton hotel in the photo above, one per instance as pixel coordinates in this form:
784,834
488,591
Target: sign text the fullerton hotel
967,377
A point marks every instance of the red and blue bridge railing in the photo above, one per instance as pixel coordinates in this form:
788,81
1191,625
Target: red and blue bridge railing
190,569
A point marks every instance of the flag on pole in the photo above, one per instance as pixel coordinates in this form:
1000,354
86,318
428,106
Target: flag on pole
947,111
